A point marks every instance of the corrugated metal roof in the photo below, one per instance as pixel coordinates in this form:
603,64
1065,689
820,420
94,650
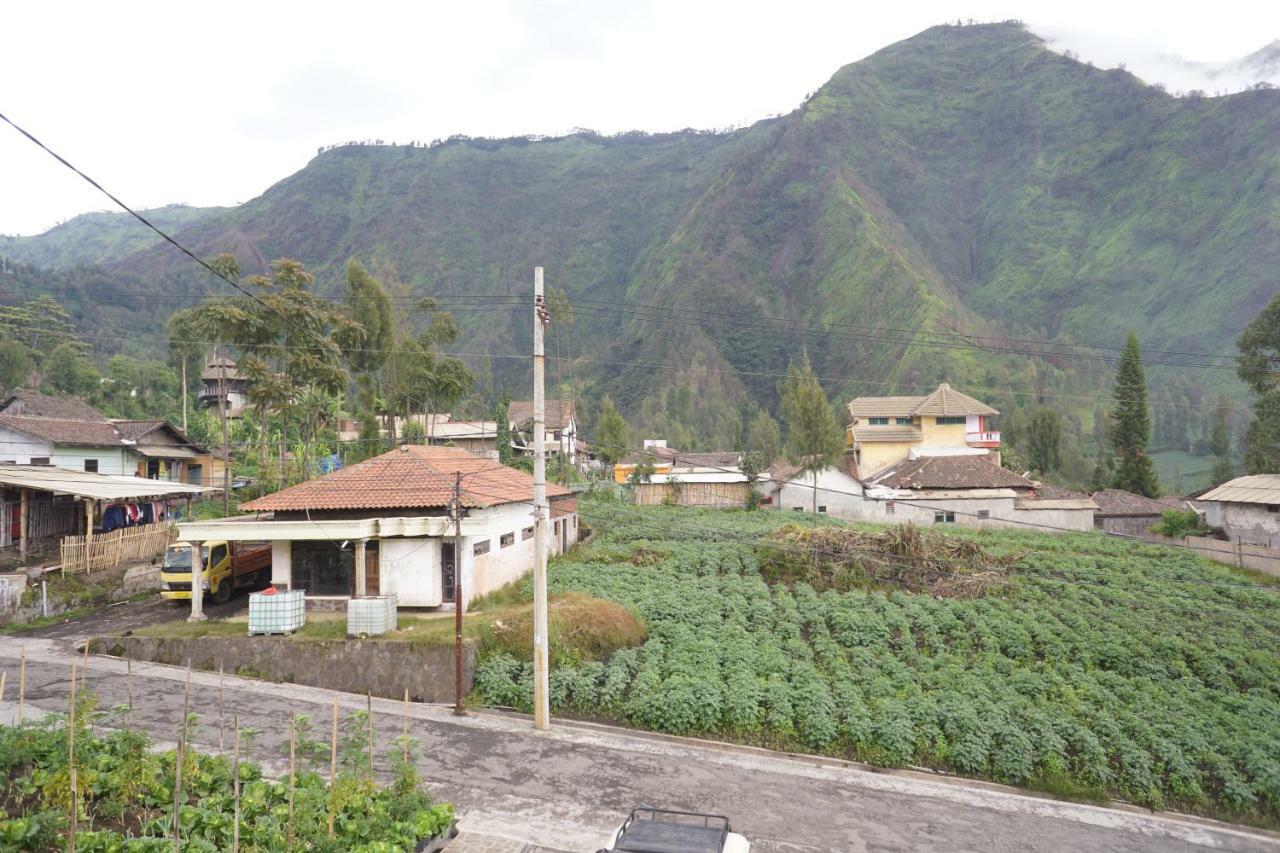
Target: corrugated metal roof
1253,489
63,481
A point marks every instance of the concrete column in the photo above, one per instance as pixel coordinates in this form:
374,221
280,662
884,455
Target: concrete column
360,578
88,534
24,525
197,585
282,564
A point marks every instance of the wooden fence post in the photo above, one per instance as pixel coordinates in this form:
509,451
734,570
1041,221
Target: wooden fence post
293,773
71,761
333,766
235,783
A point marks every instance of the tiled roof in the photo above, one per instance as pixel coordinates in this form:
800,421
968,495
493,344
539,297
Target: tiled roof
65,431
950,472
1254,489
883,407
32,404
887,433
134,430
411,477
945,401
559,412
1120,502
948,401
1048,491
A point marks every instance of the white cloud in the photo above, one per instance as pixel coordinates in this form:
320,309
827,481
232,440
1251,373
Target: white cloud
212,103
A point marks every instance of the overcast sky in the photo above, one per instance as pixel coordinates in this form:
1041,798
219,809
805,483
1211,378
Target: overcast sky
211,103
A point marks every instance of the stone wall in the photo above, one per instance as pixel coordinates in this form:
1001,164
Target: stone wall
383,667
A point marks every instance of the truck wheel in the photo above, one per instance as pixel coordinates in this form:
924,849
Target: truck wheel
222,594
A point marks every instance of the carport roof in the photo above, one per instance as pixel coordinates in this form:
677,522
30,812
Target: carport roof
83,484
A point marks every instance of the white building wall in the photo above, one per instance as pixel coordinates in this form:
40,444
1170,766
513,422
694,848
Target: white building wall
1252,524
19,447
837,491
410,569
502,565
282,563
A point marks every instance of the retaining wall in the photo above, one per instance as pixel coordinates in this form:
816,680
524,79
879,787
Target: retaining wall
383,667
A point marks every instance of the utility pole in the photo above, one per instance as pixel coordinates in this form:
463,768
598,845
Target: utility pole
541,693
458,710
226,442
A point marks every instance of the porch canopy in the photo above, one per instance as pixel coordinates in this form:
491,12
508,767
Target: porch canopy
88,485
251,529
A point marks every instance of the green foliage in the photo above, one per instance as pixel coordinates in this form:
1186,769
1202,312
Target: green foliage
765,438
611,434
501,415
1131,425
1044,433
1179,523
16,363
67,370
1262,439
814,438
126,795
1107,667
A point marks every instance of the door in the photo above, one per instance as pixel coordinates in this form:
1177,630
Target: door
448,568
372,580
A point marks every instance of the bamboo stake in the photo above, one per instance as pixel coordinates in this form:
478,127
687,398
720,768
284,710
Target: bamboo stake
22,681
404,734
128,662
222,715
71,761
2,678
293,723
333,764
368,696
180,757
235,784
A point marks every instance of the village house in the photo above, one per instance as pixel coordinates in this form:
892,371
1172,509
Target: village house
220,377
967,490
383,527
883,431
713,480
1247,509
1126,513
560,427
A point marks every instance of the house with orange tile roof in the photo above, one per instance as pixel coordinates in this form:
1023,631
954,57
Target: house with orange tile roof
383,527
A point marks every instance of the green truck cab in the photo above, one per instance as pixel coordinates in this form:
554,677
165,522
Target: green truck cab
227,566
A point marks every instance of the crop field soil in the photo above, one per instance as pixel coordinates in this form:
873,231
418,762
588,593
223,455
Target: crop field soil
1097,669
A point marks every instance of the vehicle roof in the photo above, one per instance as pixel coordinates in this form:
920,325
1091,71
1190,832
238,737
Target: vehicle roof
648,836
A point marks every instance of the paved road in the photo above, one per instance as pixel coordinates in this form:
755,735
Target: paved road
565,789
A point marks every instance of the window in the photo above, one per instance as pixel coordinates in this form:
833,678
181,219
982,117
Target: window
481,547
984,513
890,507
217,555
944,517
557,528
507,539
526,534
797,509
39,460
950,420
1273,507
555,436
903,421
91,465
821,508
878,421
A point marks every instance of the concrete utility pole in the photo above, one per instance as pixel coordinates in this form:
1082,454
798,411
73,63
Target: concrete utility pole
197,583
226,442
541,693
458,710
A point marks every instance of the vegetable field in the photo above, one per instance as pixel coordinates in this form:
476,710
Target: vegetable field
1103,668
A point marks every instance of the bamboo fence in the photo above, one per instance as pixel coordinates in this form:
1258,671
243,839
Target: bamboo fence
105,550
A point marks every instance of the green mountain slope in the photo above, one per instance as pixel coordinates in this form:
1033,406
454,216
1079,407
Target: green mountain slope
964,180
98,238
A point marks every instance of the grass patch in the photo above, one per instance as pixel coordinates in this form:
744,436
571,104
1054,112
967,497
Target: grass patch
580,629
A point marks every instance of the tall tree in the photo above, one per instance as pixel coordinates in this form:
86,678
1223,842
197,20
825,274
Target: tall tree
1220,440
15,364
1259,367
1131,425
814,437
501,415
765,438
611,434
186,353
368,305
68,371
1044,435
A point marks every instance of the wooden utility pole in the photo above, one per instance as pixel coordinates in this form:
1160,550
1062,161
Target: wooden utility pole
184,393
457,594
541,693
226,441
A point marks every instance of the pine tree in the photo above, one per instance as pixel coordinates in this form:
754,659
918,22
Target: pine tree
1131,425
506,454
611,434
1044,435
814,438
1259,367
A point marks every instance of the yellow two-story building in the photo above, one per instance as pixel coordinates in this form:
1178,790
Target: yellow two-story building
883,431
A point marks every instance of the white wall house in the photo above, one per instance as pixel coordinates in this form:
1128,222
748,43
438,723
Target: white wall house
382,527
75,445
1246,508
560,427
